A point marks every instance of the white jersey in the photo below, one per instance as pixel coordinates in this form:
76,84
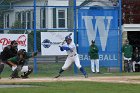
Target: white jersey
73,50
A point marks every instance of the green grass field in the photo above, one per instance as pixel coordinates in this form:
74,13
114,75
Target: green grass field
75,87
51,69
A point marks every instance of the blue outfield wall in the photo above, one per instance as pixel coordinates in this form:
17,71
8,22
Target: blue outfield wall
100,25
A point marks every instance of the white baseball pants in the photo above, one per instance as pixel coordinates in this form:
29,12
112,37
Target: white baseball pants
95,64
134,65
70,60
23,69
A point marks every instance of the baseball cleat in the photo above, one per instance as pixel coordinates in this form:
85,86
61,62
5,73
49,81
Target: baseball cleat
13,77
24,77
86,76
98,72
57,76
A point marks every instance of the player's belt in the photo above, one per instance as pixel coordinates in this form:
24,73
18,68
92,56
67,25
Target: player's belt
73,55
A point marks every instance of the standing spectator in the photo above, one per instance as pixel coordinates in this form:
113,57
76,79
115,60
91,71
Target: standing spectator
94,56
127,52
136,58
8,52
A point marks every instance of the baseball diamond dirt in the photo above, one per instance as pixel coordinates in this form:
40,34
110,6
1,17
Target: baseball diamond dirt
111,79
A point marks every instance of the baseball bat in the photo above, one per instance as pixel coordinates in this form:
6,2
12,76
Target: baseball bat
64,39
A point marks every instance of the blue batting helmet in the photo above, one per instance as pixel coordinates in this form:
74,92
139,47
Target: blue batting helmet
67,38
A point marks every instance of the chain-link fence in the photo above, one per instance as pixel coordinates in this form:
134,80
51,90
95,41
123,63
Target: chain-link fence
32,17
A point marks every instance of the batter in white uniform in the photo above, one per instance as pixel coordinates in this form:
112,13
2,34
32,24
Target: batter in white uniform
70,47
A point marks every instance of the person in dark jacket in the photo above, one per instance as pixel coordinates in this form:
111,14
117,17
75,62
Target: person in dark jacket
8,52
136,58
94,56
18,63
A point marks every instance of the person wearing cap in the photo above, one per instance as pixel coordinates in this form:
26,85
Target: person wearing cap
94,56
127,50
135,58
71,50
19,63
8,52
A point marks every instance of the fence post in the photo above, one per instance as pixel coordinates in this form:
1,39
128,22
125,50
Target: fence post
35,48
75,32
120,33
56,59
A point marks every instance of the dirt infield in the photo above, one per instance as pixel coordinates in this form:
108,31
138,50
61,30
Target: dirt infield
112,79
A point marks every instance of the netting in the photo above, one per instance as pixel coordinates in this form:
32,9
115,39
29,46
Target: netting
32,17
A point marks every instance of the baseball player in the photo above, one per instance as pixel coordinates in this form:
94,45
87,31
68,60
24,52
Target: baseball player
18,62
70,47
127,50
94,56
8,52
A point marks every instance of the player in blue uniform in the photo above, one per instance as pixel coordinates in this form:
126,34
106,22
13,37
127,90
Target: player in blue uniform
71,50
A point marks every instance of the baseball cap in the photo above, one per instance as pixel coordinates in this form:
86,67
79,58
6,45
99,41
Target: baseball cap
126,40
93,41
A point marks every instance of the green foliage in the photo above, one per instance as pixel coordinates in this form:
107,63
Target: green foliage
38,40
1,20
31,41
1,24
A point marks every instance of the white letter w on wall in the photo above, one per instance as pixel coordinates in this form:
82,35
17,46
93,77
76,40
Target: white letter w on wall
100,25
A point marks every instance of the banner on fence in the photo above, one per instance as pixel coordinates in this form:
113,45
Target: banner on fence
50,42
22,40
100,25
